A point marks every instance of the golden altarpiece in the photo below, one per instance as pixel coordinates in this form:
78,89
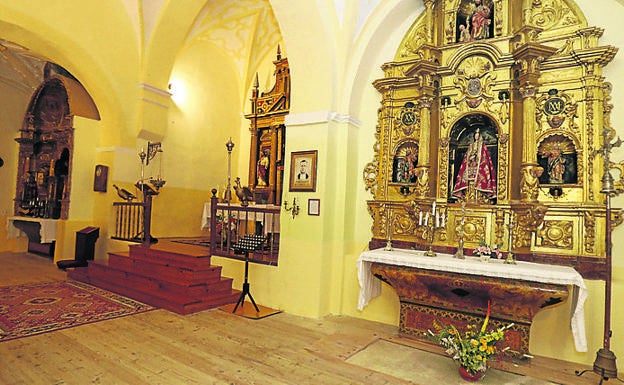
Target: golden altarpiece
46,144
493,111
268,132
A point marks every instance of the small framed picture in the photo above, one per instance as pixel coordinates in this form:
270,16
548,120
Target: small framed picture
303,170
100,178
314,207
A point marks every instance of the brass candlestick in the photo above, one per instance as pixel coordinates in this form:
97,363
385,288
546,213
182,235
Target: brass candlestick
438,222
460,248
605,363
388,230
228,192
510,255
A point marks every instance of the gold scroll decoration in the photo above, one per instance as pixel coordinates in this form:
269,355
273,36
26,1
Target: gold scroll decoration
557,234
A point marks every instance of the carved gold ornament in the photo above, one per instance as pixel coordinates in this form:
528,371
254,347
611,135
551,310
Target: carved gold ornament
557,234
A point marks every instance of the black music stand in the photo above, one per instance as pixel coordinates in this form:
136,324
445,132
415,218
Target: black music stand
247,244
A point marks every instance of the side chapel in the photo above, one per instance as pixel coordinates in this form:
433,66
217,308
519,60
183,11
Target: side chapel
492,113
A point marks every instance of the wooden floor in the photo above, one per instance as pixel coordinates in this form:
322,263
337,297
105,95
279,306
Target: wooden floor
209,347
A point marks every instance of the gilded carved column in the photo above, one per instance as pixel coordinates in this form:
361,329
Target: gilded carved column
253,130
253,155
424,148
530,170
528,212
529,56
273,162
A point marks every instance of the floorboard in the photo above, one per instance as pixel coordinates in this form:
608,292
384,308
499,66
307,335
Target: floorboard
208,347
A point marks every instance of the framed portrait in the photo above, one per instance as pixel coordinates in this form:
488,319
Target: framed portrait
303,170
100,178
314,207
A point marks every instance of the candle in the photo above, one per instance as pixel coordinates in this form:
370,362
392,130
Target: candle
433,209
427,219
420,219
437,219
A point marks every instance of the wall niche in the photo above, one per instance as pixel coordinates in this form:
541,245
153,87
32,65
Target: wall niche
45,154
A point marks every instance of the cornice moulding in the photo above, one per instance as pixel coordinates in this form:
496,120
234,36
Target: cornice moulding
320,117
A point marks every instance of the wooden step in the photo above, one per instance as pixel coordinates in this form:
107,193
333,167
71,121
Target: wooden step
175,277
175,274
184,255
155,285
164,301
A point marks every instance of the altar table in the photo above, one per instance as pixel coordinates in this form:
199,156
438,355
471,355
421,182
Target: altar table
472,267
269,224
41,233
47,228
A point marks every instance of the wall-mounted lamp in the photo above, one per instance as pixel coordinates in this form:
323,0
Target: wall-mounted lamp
294,209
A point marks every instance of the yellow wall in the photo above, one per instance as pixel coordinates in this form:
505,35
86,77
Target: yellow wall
333,57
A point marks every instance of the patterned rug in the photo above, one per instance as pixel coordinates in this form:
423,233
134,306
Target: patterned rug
31,309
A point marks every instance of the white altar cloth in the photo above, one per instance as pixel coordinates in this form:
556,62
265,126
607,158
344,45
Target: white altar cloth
370,287
47,229
269,224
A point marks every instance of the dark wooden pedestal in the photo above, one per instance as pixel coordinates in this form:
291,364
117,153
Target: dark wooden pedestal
428,297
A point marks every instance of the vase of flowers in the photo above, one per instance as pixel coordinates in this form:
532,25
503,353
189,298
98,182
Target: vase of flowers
485,251
471,348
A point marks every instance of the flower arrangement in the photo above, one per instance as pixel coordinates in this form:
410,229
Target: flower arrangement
222,223
485,251
472,348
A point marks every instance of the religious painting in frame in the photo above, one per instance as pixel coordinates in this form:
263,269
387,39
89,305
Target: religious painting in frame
303,170
100,178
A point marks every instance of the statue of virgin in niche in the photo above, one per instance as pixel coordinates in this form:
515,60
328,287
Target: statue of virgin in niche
476,172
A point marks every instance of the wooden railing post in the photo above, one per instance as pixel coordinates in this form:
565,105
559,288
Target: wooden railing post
213,221
147,218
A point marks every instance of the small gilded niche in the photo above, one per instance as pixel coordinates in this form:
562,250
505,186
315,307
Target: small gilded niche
404,163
